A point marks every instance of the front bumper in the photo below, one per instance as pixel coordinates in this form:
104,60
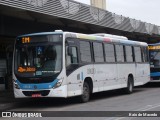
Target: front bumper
54,92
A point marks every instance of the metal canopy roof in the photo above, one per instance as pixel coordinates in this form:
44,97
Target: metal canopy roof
72,10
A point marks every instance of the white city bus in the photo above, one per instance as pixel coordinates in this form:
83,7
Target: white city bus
66,64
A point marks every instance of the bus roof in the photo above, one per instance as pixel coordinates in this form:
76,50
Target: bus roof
109,39
40,33
110,36
98,37
154,44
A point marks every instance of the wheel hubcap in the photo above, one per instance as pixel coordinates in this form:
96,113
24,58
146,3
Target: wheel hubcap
85,92
130,86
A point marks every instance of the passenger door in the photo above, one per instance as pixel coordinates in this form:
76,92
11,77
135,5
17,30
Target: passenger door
72,65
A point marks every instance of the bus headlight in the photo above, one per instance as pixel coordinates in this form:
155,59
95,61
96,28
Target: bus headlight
16,85
58,83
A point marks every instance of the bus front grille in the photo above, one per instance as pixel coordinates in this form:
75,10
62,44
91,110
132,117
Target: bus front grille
42,93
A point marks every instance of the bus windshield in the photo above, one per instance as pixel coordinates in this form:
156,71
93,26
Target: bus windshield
41,58
155,58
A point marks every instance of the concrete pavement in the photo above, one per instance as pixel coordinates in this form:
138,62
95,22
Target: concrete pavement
7,100
144,98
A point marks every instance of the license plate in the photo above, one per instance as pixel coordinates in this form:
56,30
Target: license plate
36,95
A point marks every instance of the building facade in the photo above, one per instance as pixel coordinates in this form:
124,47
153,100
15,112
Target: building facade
99,3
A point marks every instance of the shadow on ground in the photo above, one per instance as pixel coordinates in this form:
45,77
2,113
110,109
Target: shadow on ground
64,102
41,103
151,85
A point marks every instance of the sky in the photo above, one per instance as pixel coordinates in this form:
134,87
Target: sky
144,10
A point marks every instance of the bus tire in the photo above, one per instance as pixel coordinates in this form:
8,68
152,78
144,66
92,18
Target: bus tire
130,85
85,93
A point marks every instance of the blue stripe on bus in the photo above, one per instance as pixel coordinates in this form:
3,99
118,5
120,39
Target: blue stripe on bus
155,74
37,86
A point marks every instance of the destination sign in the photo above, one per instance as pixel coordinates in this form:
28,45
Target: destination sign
154,47
39,39
26,39
26,69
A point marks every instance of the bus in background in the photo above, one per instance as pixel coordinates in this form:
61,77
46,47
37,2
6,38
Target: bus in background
154,55
66,64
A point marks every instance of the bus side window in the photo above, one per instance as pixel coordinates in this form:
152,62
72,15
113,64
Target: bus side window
120,53
109,52
144,54
138,56
129,54
85,51
98,52
71,55
147,54
133,54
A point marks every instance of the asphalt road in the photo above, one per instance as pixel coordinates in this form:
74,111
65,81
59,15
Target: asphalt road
144,98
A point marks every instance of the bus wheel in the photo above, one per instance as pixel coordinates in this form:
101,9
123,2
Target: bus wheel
86,93
130,85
